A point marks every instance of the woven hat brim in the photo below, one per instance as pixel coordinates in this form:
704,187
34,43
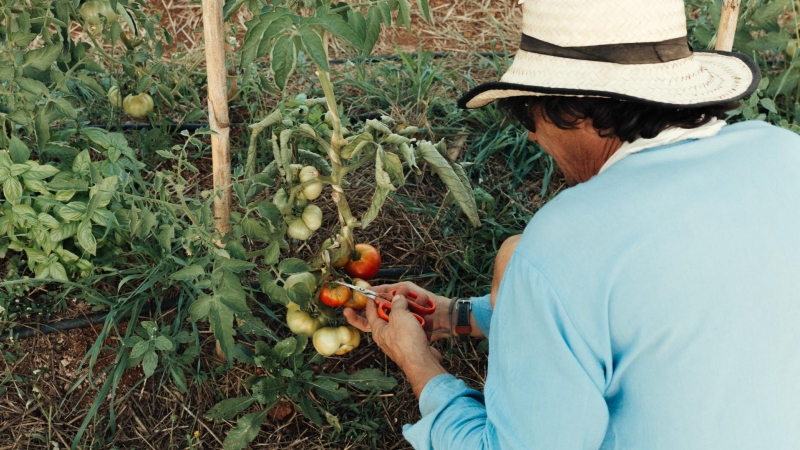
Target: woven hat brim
706,78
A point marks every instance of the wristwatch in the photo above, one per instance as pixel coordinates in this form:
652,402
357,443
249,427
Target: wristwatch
463,327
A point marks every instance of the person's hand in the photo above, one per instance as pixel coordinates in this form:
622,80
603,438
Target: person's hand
405,342
437,325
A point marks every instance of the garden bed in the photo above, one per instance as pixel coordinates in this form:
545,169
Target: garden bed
47,390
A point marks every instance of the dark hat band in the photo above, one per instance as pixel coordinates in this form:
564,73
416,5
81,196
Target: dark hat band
631,53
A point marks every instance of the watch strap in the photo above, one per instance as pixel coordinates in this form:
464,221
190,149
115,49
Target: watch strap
463,327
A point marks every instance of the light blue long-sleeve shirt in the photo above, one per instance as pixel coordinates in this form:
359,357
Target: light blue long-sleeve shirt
656,306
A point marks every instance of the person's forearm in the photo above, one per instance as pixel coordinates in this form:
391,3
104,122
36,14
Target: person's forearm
420,371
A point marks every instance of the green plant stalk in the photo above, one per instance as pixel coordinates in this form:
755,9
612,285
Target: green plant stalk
338,171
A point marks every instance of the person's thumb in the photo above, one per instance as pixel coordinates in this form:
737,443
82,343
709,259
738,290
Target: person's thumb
399,303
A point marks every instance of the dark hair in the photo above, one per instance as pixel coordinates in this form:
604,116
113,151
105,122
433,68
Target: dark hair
611,118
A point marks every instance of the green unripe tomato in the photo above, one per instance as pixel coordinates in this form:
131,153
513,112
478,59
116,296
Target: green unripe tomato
313,190
303,277
312,217
281,199
137,106
93,12
299,230
300,322
300,201
791,48
295,169
114,97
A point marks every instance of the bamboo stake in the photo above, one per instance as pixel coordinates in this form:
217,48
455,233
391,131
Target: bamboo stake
218,110
727,25
217,74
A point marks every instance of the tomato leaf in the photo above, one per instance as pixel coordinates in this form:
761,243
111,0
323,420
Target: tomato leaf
365,380
236,265
461,192
200,307
394,167
221,319
355,145
286,347
250,324
404,14
230,8
426,12
305,407
229,408
372,30
337,26
276,293
247,428
329,389
314,47
282,60
384,186
293,265
231,294
188,273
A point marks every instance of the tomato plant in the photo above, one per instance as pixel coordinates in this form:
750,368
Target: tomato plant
364,263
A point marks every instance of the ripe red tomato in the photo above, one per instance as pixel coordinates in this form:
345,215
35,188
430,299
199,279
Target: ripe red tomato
364,263
334,295
358,300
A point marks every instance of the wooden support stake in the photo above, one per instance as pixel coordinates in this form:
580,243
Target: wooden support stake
727,25
218,117
218,110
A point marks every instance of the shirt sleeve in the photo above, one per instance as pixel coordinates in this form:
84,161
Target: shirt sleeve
544,388
482,311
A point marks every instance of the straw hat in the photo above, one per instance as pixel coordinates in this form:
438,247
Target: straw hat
634,50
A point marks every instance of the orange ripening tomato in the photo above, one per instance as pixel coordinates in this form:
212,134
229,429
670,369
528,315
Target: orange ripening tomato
334,295
358,300
365,262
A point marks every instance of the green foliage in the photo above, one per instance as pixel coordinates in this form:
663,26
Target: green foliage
288,376
62,216
767,32
280,30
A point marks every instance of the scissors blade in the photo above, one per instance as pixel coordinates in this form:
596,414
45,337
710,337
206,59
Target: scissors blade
365,291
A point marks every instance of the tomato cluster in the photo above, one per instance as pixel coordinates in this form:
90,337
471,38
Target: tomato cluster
327,340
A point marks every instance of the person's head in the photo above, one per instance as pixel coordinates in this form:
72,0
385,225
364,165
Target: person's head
581,133
623,67
611,118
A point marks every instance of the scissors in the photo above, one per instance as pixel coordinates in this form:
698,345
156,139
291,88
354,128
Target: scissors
384,302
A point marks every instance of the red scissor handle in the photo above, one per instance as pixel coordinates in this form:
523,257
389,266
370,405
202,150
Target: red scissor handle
384,308
428,307
417,310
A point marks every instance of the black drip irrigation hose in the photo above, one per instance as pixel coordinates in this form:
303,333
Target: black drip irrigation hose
177,128
437,55
393,273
